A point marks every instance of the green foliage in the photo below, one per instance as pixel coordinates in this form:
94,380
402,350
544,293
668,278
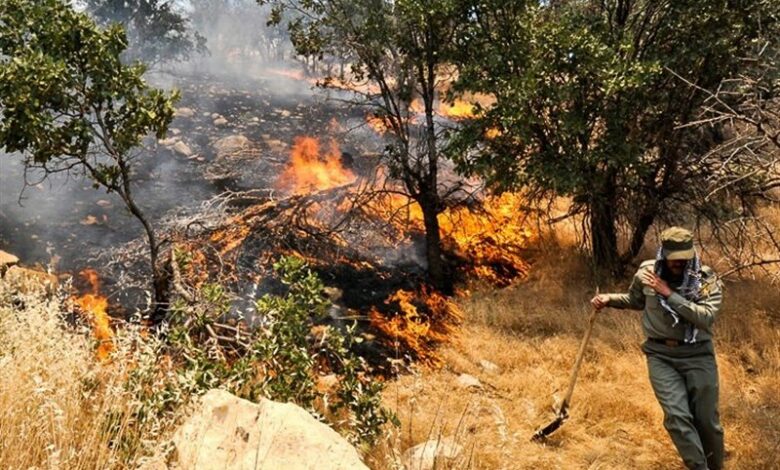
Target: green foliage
588,104
157,30
65,94
281,360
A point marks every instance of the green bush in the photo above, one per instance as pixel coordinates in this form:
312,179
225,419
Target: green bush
280,359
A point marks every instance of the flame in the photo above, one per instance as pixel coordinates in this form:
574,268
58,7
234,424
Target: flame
420,322
490,239
377,124
459,109
309,170
95,307
492,133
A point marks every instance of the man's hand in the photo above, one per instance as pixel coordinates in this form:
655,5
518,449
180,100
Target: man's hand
651,280
599,301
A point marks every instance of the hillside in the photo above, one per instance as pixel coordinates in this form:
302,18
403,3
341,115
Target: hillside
532,331
518,342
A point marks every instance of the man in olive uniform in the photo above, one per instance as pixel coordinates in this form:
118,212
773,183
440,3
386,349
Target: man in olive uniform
680,299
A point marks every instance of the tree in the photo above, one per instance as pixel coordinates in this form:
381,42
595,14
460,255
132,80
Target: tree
69,104
747,109
397,54
589,105
158,32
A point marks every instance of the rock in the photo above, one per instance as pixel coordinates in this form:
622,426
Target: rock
489,367
184,112
231,146
220,121
169,142
182,149
7,259
436,453
89,220
277,146
468,381
226,432
28,281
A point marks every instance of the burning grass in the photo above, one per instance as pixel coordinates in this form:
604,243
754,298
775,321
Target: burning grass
418,323
59,406
95,308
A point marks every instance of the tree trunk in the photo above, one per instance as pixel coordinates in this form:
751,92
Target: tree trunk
436,266
603,233
638,236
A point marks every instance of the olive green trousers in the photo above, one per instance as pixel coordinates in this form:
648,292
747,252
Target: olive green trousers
685,382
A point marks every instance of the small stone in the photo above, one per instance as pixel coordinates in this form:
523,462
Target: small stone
220,121
489,367
89,220
104,203
182,149
184,112
436,453
169,142
468,381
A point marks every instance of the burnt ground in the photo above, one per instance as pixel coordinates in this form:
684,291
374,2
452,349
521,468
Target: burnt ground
66,222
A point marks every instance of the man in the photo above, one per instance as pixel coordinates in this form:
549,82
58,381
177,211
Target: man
680,299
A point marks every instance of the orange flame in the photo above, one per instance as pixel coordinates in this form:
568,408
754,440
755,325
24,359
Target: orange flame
422,321
95,307
457,110
377,124
490,238
308,170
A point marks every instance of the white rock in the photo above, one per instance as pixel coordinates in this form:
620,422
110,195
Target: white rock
226,432
436,453
7,259
489,367
182,149
184,112
468,381
220,121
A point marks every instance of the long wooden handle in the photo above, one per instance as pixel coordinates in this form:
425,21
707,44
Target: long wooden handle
578,362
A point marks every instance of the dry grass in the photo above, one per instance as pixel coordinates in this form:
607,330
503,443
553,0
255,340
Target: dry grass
532,332
60,408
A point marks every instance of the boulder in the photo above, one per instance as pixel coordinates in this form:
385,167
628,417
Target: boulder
227,432
231,146
436,453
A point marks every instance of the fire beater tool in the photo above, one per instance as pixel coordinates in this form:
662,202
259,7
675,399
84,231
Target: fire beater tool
563,411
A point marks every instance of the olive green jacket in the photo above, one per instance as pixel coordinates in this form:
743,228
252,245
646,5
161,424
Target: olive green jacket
656,322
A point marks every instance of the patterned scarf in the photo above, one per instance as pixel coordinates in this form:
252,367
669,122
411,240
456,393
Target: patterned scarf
690,289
